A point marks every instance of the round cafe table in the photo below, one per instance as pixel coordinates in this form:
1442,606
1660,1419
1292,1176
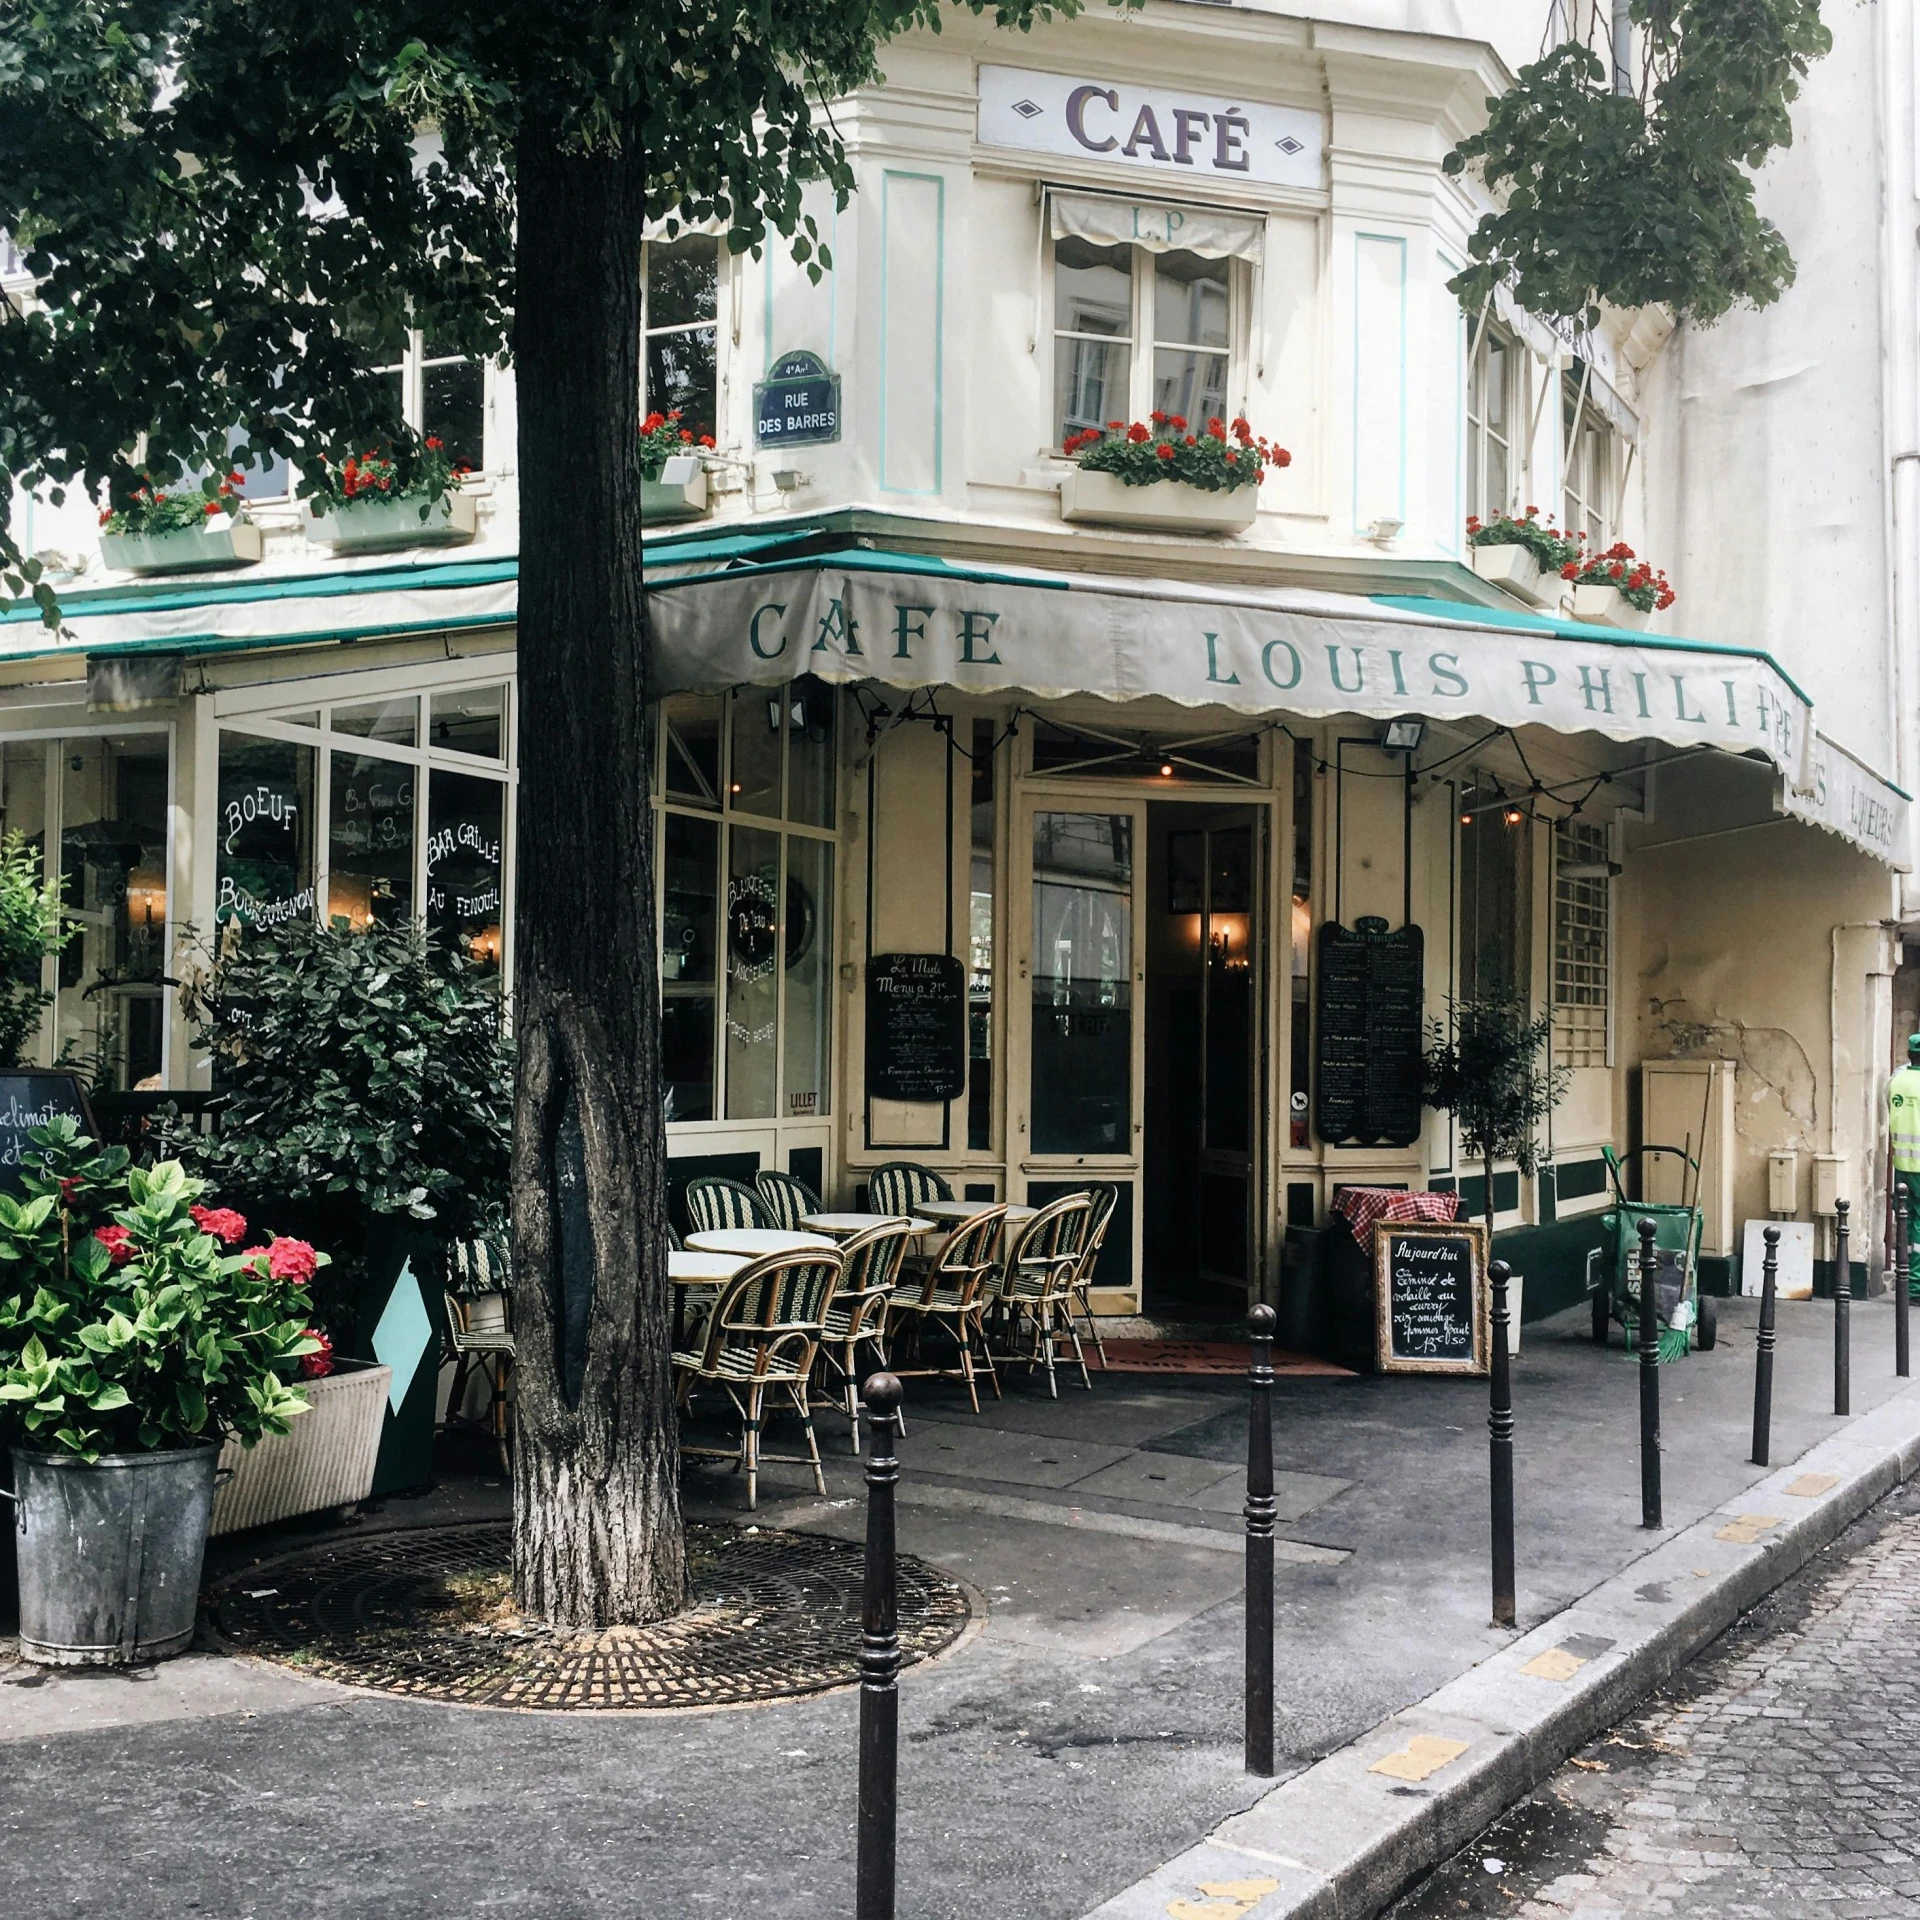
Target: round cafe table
703,1269
756,1243
952,1212
844,1225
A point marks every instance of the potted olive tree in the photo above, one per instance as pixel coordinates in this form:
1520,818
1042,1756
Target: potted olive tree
132,1345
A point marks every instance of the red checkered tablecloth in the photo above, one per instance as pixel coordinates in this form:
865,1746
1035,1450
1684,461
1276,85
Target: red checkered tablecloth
1363,1207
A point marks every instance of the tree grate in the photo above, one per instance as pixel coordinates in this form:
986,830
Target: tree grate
428,1612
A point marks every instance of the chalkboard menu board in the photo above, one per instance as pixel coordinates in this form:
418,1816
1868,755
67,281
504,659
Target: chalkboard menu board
1430,1298
916,1027
30,1099
1368,1016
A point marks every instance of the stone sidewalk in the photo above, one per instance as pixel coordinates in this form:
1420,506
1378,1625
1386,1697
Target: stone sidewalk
1089,1732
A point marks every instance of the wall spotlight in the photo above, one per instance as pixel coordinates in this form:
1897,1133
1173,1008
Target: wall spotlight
1383,529
1403,735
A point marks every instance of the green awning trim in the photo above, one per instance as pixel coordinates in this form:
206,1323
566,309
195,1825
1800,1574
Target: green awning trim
674,551
867,560
1583,630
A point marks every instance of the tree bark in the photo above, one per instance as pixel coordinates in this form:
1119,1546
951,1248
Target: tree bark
597,1530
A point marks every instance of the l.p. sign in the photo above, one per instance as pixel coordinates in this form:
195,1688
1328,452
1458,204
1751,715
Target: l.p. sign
1093,119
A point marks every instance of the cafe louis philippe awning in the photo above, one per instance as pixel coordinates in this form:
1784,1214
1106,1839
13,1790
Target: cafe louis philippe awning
908,621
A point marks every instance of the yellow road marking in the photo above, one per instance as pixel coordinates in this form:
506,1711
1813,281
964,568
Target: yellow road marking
1228,1900
1746,1528
1425,1753
1810,1486
1555,1664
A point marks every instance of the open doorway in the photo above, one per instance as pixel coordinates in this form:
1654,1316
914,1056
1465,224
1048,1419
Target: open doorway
1203,969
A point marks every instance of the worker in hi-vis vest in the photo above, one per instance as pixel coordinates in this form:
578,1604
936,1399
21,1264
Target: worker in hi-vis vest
1903,1134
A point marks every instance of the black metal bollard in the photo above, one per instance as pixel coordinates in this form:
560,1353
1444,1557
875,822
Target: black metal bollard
1903,1275
1260,1521
1763,1348
1500,1448
1649,1377
1842,1314
879,1663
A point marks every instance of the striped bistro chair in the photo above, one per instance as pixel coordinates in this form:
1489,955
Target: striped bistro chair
901,1185
787,1198
1098,1221
952,1295
761,1337
714,1203
858,1315
480,1338
1037,1283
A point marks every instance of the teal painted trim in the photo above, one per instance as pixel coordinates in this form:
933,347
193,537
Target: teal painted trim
939,324
721,547
768,355
1476,616
254,642
864,560
1554,1261
1396,240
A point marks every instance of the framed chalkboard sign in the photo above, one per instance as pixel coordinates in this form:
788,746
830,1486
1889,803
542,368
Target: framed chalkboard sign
1369,1005
29,1098
916,1027
1431,1308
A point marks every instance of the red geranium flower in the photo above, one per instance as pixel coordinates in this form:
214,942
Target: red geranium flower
118,1243
1281,457
1137,433
1114,426
1177,422
1158,418
1164,450
435,442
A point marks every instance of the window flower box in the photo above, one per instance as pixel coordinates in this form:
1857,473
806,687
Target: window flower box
324,1460
1615,589
1167,506
1166,478
662,500
1516,570
379,525
218,542
1601,604
1521,555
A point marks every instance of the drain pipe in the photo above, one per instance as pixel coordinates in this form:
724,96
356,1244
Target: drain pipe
1877,1069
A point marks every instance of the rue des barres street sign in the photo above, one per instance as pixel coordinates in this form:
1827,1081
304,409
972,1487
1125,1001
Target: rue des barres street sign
798,404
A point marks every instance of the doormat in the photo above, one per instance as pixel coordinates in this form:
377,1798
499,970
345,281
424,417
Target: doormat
1209,1356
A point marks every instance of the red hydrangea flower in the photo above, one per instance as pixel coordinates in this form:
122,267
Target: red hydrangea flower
118,1243
316,1366
292,1260
223,1223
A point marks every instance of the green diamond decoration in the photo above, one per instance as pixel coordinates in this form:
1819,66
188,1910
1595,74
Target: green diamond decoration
404,1334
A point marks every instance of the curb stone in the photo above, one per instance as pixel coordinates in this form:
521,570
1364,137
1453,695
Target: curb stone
1345,1837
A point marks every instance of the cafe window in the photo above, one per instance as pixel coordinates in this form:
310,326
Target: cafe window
1582,905
746,858
1492,411
679,319
1495,895
1590,457
371,812
441,392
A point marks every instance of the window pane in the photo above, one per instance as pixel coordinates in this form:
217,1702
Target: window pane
473,720
23,810
683,281
1082,1063
1089,384
110,1016
693,747
1582,901
681,375
1189,300
807,946
1495,858
810,753
454,410
1300,946
980,943
370,842
759,714
689,918
753,943
466,826
1193,385
1092,288
265,861
394,721
1498,494
1496,384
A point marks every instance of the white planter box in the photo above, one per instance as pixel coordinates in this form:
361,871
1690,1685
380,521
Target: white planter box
1514,568
233,543
660,502
1167,506
375,526
325,1458
1607,606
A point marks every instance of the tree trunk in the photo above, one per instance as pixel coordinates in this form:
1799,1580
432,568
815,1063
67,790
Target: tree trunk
597,1532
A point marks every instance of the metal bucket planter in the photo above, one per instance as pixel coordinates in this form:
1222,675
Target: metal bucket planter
110,1554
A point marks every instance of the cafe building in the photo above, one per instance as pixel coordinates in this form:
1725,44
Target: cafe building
1044,835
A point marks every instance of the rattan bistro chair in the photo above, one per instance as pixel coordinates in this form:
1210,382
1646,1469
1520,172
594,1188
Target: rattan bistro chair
901,1185
1098,1221
762,1336
478,1295
714,1203
858,1315
952,1295
787,1198
1037,1283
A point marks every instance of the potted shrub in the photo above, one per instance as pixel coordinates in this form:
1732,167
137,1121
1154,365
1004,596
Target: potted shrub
1164,476
378,500
192,527
1522,555
132,1345
1614,589
663,438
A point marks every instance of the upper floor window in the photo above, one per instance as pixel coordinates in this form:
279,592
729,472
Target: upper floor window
442,393
1590,464
679,317
1493,460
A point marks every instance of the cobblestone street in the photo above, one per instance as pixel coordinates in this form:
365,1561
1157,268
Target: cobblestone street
1775,1776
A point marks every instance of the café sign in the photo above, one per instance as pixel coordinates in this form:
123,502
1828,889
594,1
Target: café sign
798,404
1161,129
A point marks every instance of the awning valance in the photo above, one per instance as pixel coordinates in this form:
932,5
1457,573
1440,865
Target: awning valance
1158,225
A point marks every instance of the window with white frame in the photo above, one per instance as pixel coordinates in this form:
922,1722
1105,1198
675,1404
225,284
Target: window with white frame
1137,331
1493,409
1589,464
680,321
1582,903
442,393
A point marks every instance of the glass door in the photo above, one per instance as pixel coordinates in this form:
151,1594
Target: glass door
1077,1034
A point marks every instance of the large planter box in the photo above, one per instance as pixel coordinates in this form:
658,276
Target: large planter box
1605,606
186,549
1167,506
1511,566
377,526
325,1459
660,502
